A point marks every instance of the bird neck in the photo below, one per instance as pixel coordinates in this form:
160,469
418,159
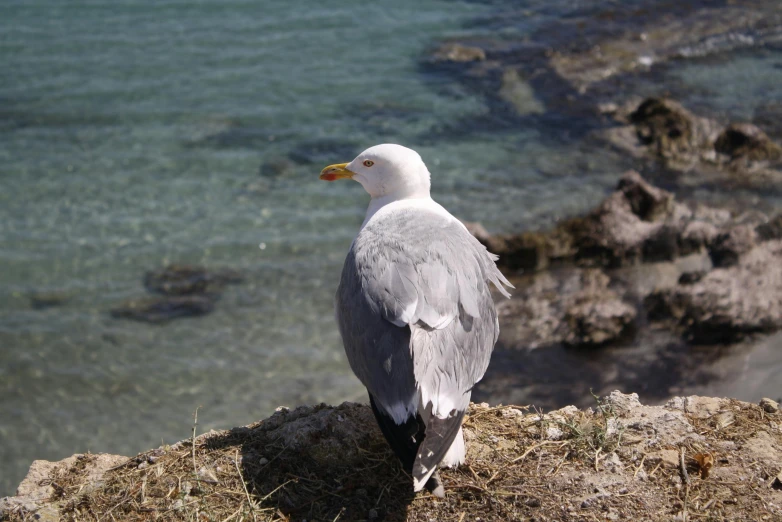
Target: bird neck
375,204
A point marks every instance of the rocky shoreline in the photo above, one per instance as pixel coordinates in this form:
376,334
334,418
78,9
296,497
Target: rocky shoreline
620,460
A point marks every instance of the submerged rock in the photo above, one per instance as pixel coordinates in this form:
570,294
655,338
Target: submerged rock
190,279
48,299
164,308
454,52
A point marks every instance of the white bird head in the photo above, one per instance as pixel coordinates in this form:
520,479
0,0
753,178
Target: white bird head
386,170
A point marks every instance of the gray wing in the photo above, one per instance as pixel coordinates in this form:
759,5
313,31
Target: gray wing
416,313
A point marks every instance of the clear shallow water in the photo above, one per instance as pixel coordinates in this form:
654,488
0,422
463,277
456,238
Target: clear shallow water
133,134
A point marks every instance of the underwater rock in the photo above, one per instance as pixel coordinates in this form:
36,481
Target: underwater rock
189,279
164,308
277,167
454,52
48,299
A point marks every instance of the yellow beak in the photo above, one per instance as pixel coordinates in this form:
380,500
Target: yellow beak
335,172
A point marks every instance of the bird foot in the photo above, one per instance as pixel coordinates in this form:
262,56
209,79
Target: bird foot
435,485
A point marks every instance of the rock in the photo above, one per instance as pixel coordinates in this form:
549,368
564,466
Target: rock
519,94
747,140
528,251
575,307
772,229
189,279
164,308
728,247
671,131
597,315
458,53
615,233
769,405
731,302
48,299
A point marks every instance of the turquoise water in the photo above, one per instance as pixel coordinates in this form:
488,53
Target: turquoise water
134,134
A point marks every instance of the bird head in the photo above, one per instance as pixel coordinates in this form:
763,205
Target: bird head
385,170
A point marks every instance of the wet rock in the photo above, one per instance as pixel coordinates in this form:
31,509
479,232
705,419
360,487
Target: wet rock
728,246
747,141
636,223
189,279
458,53
164,308
670,130
615,233
48,299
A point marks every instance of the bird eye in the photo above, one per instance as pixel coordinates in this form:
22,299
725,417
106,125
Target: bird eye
368,163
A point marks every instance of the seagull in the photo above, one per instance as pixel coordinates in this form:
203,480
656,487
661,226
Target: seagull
415,311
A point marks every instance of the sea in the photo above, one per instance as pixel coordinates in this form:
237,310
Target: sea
135,134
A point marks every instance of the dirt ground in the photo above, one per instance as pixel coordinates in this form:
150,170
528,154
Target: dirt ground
694,458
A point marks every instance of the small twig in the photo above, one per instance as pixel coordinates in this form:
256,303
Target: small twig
597,454
555,469
536,446
193,444
683,468
244,485
641,465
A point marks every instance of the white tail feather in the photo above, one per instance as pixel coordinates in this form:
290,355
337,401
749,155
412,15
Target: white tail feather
456,452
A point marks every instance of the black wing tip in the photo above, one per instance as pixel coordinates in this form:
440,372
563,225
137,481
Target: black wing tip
440,434
404,439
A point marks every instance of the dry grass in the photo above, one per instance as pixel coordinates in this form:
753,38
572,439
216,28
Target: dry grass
332,464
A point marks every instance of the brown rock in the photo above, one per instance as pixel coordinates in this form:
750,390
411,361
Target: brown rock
769,405
747,140
458,53
671,130
189,279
